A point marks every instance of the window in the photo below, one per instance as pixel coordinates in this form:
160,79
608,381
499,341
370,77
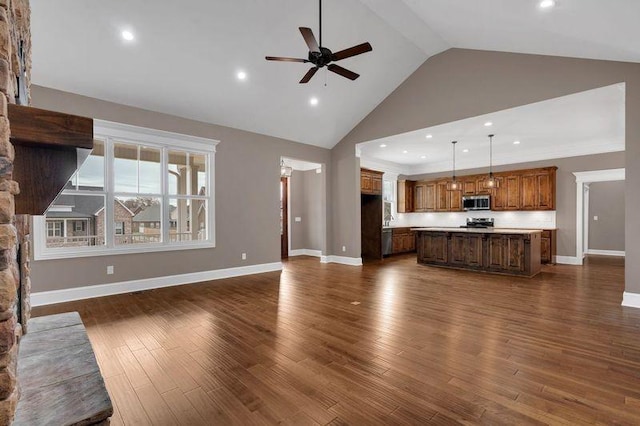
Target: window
54,228
139,190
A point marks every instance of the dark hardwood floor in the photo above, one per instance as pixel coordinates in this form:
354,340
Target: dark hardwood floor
423,346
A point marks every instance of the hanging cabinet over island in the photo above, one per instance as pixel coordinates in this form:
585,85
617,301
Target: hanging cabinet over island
502,251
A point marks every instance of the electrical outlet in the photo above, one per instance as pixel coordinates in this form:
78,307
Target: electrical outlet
244,256
344,248
595,218
110,270
298,219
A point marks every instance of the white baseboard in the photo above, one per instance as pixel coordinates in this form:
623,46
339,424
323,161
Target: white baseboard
305,252
43,298
606,252
631,300
568,260
351,261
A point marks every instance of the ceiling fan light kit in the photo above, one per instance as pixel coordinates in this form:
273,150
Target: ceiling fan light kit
321,56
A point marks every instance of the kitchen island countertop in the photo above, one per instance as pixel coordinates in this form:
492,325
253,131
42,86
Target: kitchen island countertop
481,230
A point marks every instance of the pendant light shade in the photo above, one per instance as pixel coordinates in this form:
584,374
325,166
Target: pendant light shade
491,181
285,171
454,185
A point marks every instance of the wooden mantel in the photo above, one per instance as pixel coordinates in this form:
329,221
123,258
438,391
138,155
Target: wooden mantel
48,146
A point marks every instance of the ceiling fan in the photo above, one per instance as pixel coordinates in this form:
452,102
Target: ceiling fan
321,56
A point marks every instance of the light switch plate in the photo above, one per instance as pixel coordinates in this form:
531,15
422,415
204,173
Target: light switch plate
298,219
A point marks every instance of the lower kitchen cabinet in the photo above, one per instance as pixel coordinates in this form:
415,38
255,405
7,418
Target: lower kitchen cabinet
403,240
547,246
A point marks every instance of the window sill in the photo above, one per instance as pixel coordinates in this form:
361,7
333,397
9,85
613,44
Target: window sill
53,254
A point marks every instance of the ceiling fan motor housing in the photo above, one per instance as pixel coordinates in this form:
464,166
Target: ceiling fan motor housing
322,58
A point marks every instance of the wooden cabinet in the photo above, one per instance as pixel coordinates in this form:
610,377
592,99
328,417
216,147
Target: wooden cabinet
370,182
403,240
538,190
406,196
425,197
433,247
507,195
510,253
547,246
533,189
466,251
442,197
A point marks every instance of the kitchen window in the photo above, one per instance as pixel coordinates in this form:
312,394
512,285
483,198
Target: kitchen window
140,190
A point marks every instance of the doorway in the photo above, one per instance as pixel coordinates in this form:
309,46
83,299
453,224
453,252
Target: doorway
284,217
583,217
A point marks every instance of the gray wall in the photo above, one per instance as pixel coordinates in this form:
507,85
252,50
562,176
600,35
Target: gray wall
565,188
306,201
247,176
459,84
606,200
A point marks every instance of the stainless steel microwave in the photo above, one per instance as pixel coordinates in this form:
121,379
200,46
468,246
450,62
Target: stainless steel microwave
476,202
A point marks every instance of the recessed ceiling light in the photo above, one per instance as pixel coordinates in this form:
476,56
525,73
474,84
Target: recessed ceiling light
429,136
465,150
423,156
516,142
405,152
488,124
313,101
383,145
545,4
127,35
241,75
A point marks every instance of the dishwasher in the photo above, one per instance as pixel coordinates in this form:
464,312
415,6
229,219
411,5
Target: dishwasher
387,241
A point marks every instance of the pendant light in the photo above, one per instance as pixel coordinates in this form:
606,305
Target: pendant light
454,185
285,171
491,182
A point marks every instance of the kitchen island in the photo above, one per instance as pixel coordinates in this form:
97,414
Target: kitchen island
495,250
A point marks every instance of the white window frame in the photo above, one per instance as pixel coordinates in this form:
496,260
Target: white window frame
167,141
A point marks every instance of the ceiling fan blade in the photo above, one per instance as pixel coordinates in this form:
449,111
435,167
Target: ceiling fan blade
278,58
310,39
352,51
308,75
343,71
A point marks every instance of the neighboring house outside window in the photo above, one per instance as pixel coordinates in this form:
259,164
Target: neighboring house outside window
138,188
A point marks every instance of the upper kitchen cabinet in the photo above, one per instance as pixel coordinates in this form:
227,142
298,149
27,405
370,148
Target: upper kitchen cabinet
507,195
538,189
406,196
370,182
533,189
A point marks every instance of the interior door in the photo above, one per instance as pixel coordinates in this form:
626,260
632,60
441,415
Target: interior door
284,218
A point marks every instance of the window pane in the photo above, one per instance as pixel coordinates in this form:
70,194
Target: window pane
90,176
76,221
187,220
125,167
150,171
198,163
178,173
134,219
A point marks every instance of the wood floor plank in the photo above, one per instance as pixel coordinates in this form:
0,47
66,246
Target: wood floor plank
423,346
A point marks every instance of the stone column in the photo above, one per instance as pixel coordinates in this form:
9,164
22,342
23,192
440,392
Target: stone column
14,30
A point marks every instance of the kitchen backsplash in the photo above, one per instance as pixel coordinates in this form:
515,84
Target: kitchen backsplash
516,219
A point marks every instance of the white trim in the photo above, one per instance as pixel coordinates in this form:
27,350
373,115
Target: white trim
619,253
79,293
351,261
145,134
305,252
568,260
582,179
631,300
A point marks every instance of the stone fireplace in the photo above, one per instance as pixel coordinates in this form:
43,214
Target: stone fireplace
15,60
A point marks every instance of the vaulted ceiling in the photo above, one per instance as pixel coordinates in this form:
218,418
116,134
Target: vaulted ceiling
186,55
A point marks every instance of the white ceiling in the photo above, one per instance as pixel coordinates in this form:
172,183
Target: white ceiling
584,123
186,54
301,165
